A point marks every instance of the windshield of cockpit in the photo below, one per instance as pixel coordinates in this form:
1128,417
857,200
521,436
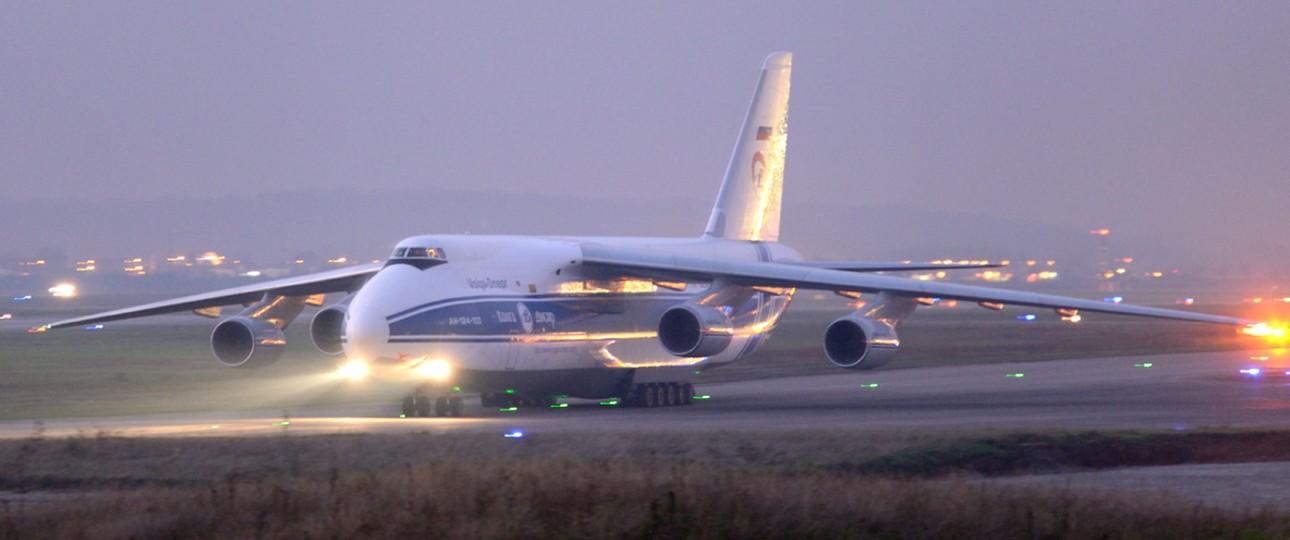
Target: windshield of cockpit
420,257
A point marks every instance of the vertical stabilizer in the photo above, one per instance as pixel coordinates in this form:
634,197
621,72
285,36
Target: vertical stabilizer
748,204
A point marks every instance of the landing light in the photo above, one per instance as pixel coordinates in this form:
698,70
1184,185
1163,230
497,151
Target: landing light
353,370
434,369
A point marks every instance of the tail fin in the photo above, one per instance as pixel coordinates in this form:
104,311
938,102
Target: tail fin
748,204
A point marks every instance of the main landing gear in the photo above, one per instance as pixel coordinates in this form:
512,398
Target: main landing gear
419,404
659,395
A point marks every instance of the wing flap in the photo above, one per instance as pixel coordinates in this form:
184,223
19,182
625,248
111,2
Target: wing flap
650,264
343,279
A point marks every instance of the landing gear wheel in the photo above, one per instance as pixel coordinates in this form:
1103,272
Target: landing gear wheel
651,395
422,405
441,406
409,407
687,394
454,406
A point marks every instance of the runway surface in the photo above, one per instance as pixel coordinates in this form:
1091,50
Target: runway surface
1142,392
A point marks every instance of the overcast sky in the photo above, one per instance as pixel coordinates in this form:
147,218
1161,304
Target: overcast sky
1159,120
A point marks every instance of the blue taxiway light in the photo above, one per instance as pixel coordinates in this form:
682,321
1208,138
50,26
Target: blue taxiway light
1253,372
1027,317
513,434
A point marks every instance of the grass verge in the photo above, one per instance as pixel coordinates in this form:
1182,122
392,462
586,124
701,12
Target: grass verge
766,484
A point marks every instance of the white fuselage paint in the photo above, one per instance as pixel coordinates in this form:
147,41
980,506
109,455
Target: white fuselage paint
521,304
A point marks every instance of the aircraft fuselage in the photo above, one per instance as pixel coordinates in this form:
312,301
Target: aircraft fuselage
506,311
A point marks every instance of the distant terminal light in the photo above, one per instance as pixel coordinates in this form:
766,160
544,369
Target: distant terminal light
1252,372
6,316
1113,299
1027,317
1185,301
513,434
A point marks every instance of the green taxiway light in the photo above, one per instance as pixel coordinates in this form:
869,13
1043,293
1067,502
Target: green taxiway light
1015,375
610,403
401,415
509,409
560,406
510,390
704,396
456,389
698,371
870,385
1143,365
283,423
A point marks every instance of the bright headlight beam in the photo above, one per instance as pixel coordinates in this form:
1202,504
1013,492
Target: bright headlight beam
434,369
353,370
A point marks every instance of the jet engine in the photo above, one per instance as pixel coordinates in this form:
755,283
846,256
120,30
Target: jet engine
855,342
246,342
692,331
326,328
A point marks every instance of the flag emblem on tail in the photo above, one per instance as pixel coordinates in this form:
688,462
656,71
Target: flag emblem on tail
763,133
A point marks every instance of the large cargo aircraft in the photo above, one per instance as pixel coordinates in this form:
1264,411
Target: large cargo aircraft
522,320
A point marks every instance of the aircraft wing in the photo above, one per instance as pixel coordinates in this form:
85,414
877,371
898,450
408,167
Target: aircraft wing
851,266
608,260
342,279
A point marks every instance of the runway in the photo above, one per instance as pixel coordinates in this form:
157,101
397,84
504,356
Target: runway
1175,392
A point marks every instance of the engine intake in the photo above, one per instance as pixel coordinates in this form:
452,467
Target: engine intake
855,342
247,342
326,328
693,331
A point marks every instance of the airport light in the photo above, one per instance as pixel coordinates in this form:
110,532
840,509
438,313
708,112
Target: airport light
1265,330
63,290
514,434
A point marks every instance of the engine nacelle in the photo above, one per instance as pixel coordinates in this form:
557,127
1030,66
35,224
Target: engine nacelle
247,342
855,342
693,331
326,328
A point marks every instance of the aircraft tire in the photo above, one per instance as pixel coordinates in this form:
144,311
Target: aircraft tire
687,394
422,406
454,406
651,395
441,406
409,407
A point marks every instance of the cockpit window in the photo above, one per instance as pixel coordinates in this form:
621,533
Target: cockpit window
420,257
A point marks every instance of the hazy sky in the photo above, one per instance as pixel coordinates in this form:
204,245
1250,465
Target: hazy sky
1159,120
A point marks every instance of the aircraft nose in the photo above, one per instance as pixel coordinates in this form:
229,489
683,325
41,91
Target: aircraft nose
366,334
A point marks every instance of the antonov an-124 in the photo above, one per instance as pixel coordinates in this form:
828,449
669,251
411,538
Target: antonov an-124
523,320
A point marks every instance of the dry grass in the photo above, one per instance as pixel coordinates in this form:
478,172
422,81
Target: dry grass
575,486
